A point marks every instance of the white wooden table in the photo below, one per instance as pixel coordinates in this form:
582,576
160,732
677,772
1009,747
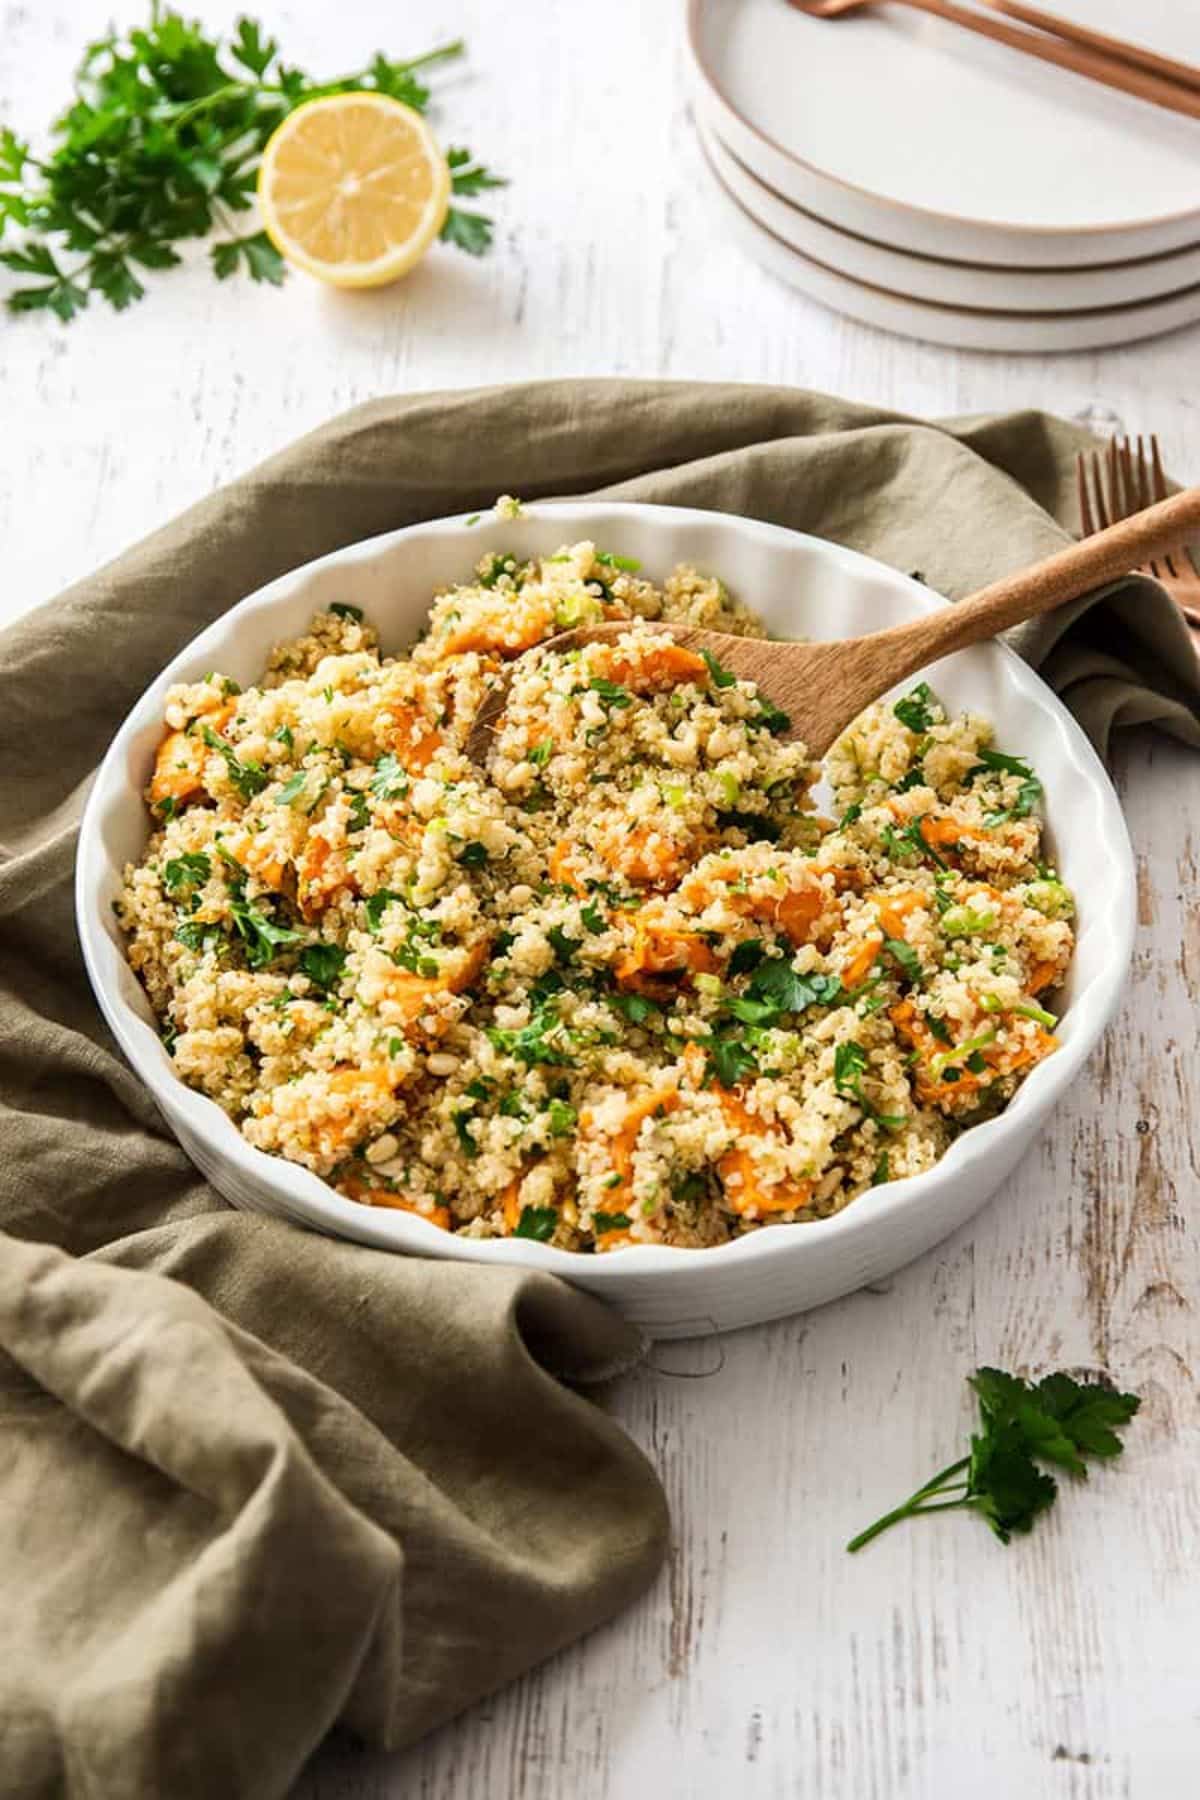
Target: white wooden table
765,1663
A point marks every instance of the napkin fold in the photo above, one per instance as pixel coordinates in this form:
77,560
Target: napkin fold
254,1482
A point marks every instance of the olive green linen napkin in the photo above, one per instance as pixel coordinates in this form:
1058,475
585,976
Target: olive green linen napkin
254,1482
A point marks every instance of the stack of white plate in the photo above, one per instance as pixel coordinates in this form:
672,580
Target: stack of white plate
922,179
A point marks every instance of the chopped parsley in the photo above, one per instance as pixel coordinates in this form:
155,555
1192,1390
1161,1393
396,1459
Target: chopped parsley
721,676
248,778
537,1222
342,611
906,956
323,964
915,709
292,789
593,918
758,827
611,692
530,1044
473,856
634,1007
849,1066
1029,791
199,937
564,947
461,1120
183,874
729,1060
562,1118
604,1221
390,779
746,956
770,717
263,938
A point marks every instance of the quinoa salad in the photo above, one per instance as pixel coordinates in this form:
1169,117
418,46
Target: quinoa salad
626,985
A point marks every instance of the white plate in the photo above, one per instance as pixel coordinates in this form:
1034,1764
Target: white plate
919,134
803,587
970,285
960,327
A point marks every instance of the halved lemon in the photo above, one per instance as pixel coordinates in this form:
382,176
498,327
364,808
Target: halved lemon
353,188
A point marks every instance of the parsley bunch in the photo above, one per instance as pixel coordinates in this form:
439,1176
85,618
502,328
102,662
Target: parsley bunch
162,143
1056,1420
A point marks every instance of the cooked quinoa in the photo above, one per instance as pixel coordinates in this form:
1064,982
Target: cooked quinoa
627,985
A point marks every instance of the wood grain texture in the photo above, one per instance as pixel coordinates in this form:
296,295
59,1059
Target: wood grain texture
765,1664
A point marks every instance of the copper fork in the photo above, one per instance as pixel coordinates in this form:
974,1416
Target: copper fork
1118,65
1124,480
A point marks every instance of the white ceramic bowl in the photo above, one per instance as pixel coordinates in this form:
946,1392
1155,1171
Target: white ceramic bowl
802,587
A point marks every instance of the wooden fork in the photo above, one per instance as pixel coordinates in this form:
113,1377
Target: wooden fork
821,687
1124,480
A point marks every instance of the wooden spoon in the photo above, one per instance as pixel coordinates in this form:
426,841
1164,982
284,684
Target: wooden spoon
1116,64
823,687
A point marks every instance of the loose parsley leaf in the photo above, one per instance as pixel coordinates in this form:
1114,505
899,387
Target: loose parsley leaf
469,231
162,144
473,856
339,608
1057,1420
914,709
360,812
593,918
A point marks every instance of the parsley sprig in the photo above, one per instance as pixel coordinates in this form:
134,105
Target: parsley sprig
161,144
1057,1420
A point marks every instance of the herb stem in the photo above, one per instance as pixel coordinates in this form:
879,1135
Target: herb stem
939,1483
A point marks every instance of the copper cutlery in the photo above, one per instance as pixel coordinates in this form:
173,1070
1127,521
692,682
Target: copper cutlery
1144,74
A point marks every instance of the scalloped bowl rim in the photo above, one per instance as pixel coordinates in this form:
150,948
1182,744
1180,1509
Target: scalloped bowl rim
304,1196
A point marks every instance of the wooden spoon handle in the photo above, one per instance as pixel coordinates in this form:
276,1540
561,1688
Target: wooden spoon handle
1090,62
1170,70
1068,575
